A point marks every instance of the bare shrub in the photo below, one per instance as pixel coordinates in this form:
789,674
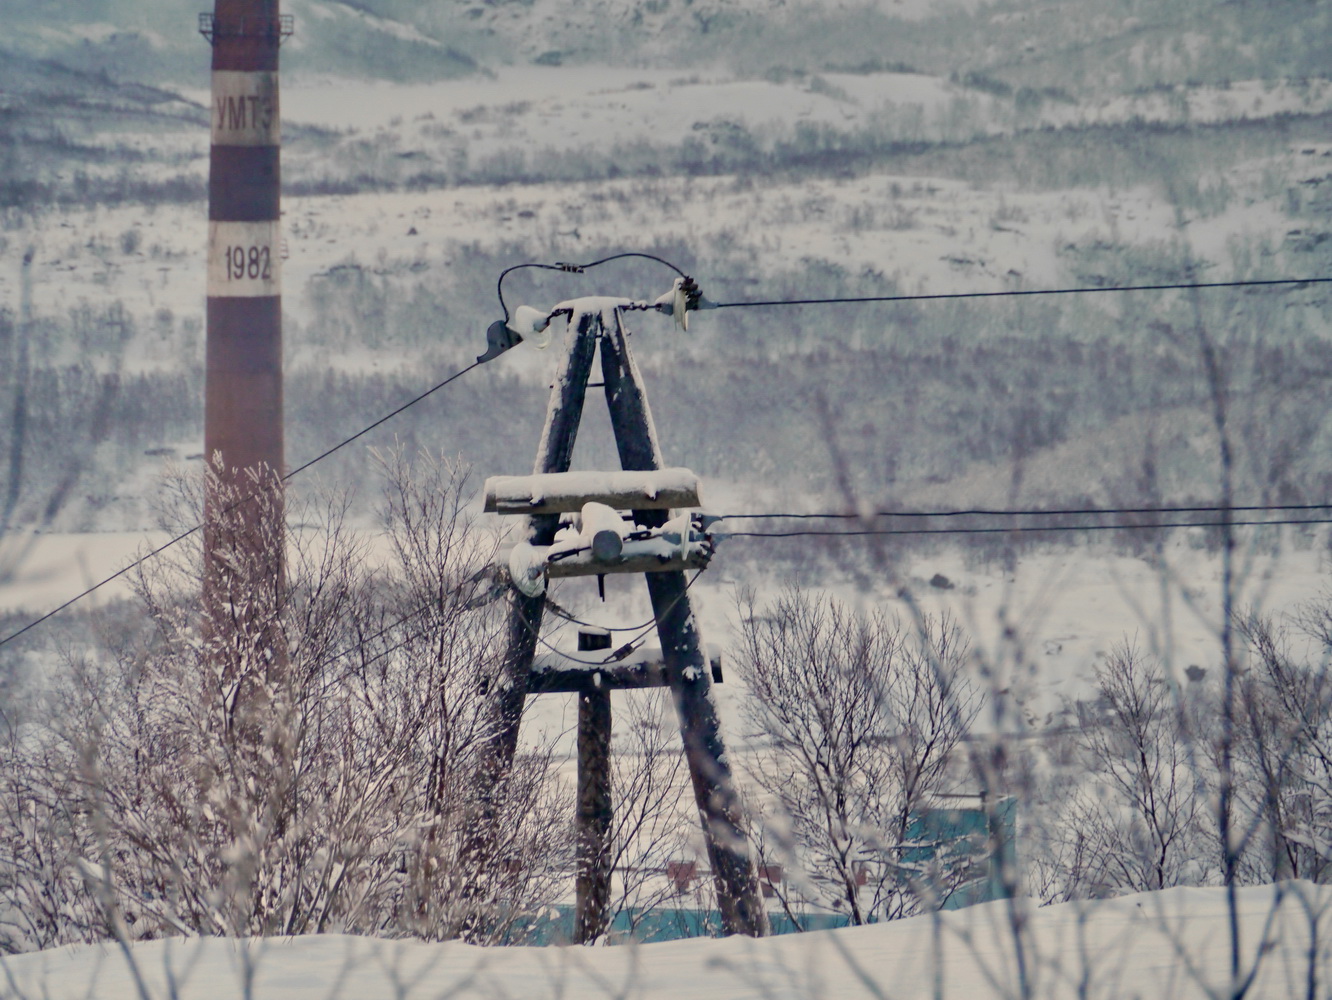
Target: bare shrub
1284,747
860,715
1141,821
653,816
300,764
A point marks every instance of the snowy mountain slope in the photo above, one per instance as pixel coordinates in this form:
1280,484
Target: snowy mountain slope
429,258
1038,46
406,200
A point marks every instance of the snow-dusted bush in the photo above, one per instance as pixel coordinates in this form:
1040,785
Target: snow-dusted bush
1284,746
1140,820
859,714
297,755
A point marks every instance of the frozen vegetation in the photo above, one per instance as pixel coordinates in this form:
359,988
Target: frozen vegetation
1154,702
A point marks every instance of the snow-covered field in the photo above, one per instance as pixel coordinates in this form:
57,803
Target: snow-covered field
1171,944
920,234
1041,623
927,234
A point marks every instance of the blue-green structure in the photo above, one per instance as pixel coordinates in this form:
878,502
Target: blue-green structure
938,838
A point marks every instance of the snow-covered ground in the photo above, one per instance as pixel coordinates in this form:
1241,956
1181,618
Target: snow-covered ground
926,235
921,234
1040,626
560,108
1171,945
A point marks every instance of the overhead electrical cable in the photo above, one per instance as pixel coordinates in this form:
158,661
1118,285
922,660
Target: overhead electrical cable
1013,529
925,297
624,649
366,430
574,269
1019,293
1032,512
186,534
579,268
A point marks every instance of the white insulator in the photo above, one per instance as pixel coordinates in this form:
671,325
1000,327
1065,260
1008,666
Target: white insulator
527,569
678,527
602,531
680,306
676,303
532,325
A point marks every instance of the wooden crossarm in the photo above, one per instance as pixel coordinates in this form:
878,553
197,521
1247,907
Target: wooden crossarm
563,492
554,672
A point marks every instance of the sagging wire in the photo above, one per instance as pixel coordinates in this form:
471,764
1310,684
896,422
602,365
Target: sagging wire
686,297
862,299
568,616
1020,293
1032,512
227,510
569,268
1020,529
625,649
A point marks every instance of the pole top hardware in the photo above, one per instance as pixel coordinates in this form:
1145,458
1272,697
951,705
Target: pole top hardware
600,541
526,324
274,29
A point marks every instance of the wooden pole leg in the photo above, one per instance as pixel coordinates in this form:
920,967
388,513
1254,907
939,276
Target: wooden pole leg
724,829
553,455
525,613
687,668
593,819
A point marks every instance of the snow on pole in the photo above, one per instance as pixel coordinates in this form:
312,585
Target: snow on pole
562,492
724,827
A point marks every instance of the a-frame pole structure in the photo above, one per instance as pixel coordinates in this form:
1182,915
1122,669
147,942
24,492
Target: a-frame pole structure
687,670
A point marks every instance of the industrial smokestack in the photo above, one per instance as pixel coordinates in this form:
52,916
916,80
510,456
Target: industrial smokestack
243,435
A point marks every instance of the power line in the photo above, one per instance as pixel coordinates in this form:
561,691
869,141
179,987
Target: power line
846,300
366,430
1018,529
579,268
625,648
568,268
360,645
1033,512
568,616
245,499
1016,293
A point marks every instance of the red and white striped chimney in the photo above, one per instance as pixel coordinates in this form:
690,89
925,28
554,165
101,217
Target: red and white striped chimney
243,433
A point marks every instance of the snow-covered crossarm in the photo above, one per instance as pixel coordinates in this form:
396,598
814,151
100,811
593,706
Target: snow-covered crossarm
643,668
562,492
530,566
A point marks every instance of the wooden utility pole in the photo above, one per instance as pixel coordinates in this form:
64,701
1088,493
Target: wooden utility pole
593,817
738,895
554,454
684,665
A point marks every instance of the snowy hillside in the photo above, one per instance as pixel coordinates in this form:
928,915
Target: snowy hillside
1153,699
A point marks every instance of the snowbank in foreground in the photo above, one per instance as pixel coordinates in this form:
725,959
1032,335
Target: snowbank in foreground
1168,944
